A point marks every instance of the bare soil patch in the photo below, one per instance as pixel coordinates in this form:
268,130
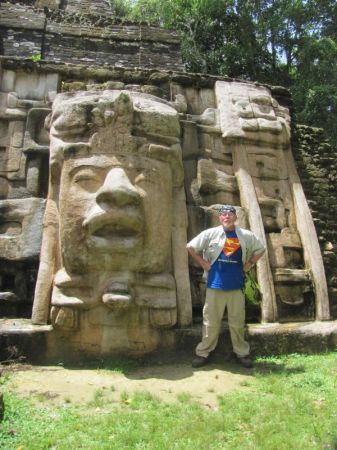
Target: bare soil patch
58,384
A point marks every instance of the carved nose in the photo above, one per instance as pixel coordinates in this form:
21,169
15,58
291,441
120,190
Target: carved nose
117,189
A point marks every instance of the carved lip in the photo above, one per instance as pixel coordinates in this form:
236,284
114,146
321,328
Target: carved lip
117,229
113,229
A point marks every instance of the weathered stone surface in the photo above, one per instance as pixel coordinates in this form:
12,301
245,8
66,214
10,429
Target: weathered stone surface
19,16
20,340
241,155
85,32
250,114
233,137
36,137
317,168
24,148
116,163
209,180
267,339
20,242
88,73
89,6
308,337
28,90
21,228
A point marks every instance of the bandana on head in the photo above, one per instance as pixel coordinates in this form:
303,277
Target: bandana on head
227,208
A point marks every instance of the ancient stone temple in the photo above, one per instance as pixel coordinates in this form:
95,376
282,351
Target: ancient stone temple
111,159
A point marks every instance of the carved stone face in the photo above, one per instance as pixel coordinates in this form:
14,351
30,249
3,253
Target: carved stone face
249,113
114,164
112,215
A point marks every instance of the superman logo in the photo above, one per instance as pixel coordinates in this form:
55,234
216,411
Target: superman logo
231,246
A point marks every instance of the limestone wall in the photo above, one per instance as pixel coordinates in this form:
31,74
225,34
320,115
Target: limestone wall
317,167
82,34
24,147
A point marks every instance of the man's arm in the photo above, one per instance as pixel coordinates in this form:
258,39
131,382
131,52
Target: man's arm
206,265
252,260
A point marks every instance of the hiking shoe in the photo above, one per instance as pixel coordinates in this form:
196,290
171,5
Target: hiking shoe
199,361
245,361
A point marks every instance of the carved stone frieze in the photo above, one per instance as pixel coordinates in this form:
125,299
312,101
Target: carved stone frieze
134,167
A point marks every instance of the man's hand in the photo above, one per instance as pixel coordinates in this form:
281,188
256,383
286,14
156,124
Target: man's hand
206,265
248,265
252,261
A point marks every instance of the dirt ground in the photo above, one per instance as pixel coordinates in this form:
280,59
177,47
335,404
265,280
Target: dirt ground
76,385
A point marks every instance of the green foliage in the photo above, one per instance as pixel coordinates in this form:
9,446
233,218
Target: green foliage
36,57
287,42
98,398
121,8
315,87
252,289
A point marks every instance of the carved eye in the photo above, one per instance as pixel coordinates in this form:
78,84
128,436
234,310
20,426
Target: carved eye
147,176
139,178
88,180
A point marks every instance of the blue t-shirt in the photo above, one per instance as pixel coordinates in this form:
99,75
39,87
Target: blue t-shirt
226,272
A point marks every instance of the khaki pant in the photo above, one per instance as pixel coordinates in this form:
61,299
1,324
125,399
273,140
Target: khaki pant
215,305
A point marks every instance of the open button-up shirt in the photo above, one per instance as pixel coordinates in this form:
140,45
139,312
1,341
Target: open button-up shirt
211,242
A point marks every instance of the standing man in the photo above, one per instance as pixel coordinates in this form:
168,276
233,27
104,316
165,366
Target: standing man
225,252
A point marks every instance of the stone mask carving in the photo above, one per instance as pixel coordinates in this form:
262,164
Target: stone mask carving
115,160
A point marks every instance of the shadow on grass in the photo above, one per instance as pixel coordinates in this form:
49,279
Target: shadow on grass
176,368
259,367
271,368
172,366
332,445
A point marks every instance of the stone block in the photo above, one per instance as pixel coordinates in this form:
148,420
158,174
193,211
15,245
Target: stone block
21,17
190,144
36,87
21,228
36,136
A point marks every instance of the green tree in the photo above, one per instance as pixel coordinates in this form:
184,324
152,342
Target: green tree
216,37
121,8
287,42
315,86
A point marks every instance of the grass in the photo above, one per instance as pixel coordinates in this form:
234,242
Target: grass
98,399
290,404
